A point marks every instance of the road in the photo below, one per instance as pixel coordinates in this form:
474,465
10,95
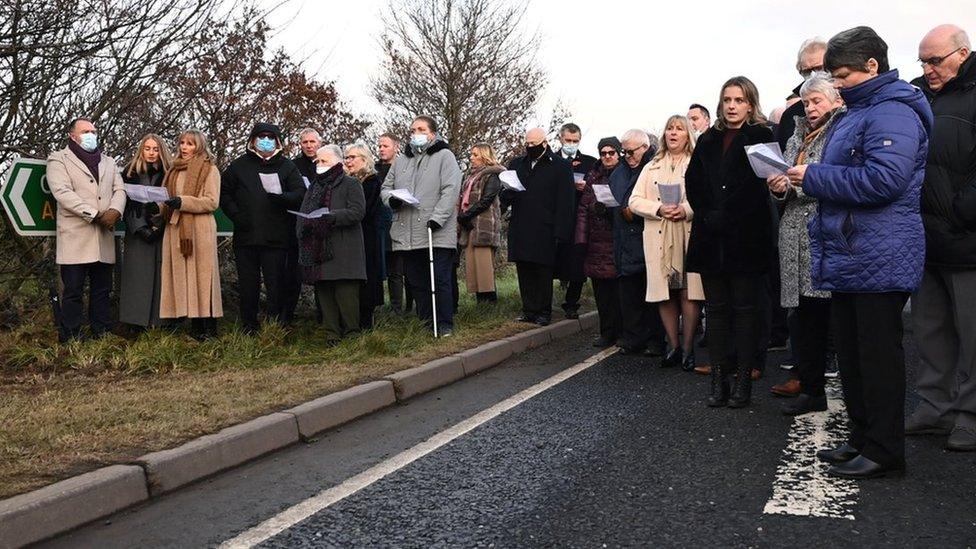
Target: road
620,454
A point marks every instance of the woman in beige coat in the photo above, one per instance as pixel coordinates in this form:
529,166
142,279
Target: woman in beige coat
191,280
659,197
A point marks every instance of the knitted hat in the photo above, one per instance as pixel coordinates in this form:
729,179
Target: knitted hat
610,142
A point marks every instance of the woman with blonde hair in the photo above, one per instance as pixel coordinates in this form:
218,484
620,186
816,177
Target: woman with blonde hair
142,246
479,222
731,243
659,197
359,163
191,279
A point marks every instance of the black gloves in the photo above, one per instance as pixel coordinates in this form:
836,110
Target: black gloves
466,221
145,234
395,203
433,225
175,202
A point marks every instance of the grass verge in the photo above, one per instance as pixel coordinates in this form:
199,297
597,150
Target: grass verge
65,410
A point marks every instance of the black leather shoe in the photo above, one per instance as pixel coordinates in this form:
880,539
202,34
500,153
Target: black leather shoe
571,313
542,320
673,358
526,318
863,468
603,342
688,364
804,404
841,454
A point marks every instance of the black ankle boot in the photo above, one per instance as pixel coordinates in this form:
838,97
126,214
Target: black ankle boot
719,387
742,391
688,364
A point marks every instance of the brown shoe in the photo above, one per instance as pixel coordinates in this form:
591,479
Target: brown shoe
703,369
788,389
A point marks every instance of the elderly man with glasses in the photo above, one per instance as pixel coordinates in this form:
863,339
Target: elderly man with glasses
944,307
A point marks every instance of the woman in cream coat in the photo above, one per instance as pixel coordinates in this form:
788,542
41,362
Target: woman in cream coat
191,279
667,227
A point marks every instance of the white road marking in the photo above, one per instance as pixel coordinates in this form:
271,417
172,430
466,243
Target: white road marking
299,512
802,487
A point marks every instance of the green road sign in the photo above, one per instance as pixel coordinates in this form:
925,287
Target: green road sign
29,204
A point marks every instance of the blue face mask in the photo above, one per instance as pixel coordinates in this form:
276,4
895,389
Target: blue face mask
419,140
264,144
570,150
89,141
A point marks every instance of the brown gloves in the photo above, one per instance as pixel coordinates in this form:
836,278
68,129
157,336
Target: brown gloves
108,218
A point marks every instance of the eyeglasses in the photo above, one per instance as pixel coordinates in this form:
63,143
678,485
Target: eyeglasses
936,61
805,73
611,152
632,152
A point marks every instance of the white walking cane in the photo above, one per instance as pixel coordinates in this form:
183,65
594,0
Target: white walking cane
433,294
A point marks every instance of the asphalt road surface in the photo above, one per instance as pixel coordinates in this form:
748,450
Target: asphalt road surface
617,453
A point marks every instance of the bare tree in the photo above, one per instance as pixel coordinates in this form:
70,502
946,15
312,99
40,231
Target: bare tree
465,62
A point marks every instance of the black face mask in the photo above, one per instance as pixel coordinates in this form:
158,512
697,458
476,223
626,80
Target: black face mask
535,151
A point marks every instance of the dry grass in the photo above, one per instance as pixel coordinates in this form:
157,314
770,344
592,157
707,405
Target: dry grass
64,411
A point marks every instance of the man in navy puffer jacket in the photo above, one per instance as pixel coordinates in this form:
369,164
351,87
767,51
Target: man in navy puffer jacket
868,244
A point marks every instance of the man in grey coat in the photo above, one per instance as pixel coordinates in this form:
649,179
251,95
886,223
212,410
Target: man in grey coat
427,170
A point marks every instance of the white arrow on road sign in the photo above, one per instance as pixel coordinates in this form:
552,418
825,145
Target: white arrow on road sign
17,198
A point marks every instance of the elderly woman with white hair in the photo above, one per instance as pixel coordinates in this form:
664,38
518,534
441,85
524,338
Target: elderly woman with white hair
330,243
822,106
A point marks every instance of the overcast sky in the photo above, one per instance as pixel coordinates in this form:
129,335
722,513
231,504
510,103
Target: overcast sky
632,63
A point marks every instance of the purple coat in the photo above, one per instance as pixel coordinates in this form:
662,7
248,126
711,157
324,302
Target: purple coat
594,229
867,235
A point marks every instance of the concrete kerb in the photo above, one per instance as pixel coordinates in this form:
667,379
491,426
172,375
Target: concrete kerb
209,454
333,410
65,505
37,515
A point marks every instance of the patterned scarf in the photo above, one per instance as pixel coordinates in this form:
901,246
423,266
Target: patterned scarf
197,169
473,177
314,247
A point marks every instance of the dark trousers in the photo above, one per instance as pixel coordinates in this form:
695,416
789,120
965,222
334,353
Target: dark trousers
574,289
416,270
734,303
366,307
400,297
606,293
535,287
291,288
99,276
339,300
812,319
640,323
868,333
253,263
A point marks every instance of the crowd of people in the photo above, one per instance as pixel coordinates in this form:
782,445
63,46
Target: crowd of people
878,204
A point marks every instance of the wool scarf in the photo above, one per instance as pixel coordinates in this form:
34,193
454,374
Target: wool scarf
672,232
314,247
197,168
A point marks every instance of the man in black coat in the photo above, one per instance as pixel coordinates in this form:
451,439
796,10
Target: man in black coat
309,142
255,191
808,59
569,268
542,217
401,299
641,327
944,308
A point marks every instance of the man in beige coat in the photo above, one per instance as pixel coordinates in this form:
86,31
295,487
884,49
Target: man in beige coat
91,197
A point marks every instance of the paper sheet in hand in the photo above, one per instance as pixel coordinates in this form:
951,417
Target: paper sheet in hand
766,159
579,177
670,194
314,214
306,181
510,180
604,196
271,183
145,193
405,196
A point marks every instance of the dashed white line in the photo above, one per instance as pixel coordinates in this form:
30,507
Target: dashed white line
802,487
299,512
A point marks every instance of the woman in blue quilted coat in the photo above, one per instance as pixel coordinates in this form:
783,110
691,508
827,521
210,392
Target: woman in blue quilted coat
867,243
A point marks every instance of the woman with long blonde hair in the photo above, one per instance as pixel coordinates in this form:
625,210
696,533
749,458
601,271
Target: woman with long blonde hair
141,265
191,278
479,222
659,197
